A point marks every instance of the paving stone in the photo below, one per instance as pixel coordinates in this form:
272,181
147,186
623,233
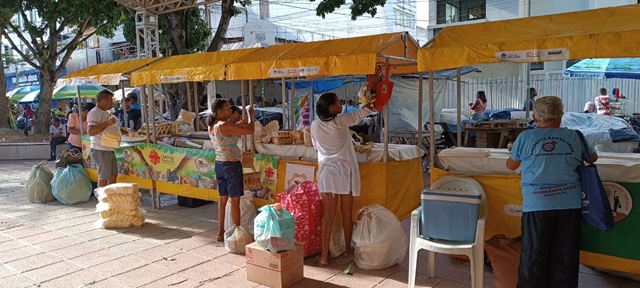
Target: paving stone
181,261
135,246
17,280
81,278
42,237
208,271
34,262
174,281
157,253
76,250
144,275
52,271
55,244
6,270
96,257
22,252
119,266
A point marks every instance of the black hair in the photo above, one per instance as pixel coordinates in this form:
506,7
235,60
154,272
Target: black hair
483,97
217,105
56,119
532,89
236,109
325,101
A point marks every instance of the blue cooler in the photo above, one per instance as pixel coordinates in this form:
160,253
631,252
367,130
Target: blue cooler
450,215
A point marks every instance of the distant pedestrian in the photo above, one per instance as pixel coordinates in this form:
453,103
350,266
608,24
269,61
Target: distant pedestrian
58,136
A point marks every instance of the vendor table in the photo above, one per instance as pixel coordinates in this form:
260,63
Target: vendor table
494,134
188,172
616,249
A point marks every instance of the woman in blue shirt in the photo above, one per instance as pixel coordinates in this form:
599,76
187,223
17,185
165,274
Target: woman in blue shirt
552,198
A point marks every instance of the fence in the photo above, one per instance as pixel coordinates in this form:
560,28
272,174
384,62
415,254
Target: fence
512,92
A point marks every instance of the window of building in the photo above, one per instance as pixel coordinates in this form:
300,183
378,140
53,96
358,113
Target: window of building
452,11
404,19
535,66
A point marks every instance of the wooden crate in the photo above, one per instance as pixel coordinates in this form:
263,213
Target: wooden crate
487,139
252,181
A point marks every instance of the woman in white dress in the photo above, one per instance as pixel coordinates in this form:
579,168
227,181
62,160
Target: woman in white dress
338,173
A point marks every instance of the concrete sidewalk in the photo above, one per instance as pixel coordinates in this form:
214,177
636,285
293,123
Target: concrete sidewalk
54,245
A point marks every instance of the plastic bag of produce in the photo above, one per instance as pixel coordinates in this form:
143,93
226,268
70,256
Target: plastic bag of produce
380,239
247,213
275,228
38,186
236,238
71,185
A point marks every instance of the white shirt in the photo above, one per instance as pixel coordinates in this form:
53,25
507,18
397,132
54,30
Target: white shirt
98,116
53,130
338,170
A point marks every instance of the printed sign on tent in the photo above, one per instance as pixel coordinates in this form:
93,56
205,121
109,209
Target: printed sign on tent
535,55
297,173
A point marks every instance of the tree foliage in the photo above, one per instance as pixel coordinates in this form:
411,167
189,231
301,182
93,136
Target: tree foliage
358,7
81,19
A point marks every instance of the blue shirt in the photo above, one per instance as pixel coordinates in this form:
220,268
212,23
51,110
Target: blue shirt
549,163
136,106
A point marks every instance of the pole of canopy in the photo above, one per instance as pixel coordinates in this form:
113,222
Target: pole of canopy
211,92
244,105
459,109
189,96
161,101
251,98
432,143
285,119
197,106
385,113
292,117
420,78
79,106
145,108
124,111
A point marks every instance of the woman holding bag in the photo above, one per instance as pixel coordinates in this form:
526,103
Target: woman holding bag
338,172
228,167
552,198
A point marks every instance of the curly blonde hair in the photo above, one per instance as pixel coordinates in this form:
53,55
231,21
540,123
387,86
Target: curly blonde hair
548,109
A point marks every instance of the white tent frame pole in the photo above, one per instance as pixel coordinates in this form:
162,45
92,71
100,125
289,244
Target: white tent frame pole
385,113
197,105
285,119
459,108
420,79
292,117
79,106
243,102
249,137
189,96
432,143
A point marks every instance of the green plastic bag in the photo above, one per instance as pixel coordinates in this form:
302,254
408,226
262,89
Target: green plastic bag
275,229
71,185
38,187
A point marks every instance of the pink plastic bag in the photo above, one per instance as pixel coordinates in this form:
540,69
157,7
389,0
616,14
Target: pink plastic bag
305,204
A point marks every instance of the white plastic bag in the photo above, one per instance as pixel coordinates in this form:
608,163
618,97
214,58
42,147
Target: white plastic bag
38,186
337,243
380,239
247,213
236,238
111,137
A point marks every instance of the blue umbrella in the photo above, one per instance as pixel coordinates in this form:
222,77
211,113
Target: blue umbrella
604,68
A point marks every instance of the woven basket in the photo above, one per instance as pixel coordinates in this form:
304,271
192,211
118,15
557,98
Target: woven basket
252,181
162,129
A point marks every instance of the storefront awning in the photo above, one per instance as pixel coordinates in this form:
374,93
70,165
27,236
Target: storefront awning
349,56
199,67
598,33
104,74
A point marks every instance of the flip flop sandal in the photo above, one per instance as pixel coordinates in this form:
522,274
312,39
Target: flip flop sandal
220,238
317,263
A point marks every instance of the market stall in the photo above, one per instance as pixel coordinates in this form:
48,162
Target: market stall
555,37
392,183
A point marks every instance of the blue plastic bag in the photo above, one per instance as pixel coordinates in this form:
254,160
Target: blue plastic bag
275,229
71,185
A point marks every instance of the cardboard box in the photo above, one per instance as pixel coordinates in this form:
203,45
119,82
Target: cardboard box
274,269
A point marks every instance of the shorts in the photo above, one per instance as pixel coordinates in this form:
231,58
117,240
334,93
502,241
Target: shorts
106,163
230,179
74,147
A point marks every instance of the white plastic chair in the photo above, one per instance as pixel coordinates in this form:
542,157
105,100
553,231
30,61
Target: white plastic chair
474,250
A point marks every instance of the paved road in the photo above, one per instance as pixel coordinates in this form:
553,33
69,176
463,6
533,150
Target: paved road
54,245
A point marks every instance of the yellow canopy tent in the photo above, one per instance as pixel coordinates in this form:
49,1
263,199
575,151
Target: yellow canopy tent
349,56
188,68
598,33
104,74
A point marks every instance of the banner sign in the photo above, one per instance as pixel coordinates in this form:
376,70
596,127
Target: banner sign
536,55
268,167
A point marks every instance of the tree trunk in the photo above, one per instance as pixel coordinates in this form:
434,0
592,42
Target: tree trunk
225,19
43,114
177,46
4,101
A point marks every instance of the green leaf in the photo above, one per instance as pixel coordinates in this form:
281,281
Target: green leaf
350,269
